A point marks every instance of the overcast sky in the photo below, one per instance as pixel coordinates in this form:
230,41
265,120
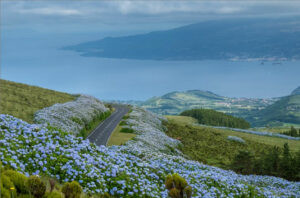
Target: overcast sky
33,32
19,13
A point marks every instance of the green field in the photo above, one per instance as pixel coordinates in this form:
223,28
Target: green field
118,137
22,101
210,146
121,133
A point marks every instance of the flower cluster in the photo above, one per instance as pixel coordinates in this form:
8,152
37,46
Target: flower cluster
71,116
151,138
236,139
137,169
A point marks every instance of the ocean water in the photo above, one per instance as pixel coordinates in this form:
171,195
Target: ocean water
36,58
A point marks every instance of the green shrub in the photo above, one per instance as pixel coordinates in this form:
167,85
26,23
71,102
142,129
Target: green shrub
127,130
24,196
90,126
122,123
36,187
77,120
243,162
19,180
5,193
178,186
53,194
72,190
106,195
7,187
6,182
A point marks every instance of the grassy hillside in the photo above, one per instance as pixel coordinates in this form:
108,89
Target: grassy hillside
22,101
176,102
285,110
214,147
296,91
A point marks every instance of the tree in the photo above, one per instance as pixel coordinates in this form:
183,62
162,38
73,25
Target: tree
243,162
297,168
293,132
285,163
271,161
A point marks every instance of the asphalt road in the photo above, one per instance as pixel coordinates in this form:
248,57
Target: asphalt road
102,133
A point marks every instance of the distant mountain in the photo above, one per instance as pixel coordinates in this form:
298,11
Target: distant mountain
285,110
296,91
222,39
176,102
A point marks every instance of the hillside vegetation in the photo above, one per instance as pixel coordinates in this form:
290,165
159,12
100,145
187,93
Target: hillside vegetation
22,101
285,110
174,103
215,118
244,153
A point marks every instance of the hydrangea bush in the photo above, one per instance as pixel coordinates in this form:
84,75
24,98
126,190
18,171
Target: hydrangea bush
136,169
151,138
71,116
236,139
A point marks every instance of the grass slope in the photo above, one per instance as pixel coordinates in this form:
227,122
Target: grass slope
210,146
285,110
22,101
118,137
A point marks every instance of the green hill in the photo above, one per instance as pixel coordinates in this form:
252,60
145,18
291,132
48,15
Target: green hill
285,110
296,91
22,101
175,102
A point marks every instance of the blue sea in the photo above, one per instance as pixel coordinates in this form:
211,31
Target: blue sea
36,58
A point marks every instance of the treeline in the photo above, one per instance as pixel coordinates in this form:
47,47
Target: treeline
276,162
292,132
215,118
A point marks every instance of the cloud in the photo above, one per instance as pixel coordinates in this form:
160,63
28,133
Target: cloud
142,12
50,11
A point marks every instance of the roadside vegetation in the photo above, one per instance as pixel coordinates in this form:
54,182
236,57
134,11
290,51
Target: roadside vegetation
22,101
222,148
78,117
92,125
122,133
118,137
215,118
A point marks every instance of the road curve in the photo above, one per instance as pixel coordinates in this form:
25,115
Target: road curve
103,131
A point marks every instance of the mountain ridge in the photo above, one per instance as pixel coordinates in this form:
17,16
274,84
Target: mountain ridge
219,39
175,102
296,91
